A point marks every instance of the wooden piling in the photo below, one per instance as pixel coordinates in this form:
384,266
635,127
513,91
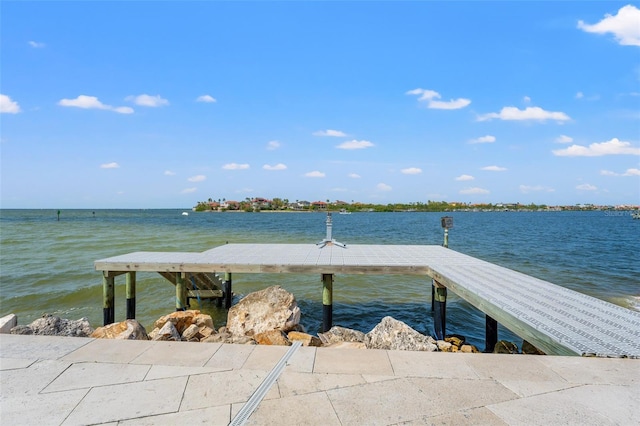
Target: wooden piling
491,334
440,311
228,293
181,292
327,302
108,299
131,295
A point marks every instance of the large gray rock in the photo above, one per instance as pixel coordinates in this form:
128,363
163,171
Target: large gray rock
393,334
168,332
273,308
50,325
339,334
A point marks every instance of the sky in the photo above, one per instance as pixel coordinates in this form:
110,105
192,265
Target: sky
164,104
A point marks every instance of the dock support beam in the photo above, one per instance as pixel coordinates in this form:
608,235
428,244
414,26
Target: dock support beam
131,295
440,311
181,292
228,294
327,302
491,334
108,299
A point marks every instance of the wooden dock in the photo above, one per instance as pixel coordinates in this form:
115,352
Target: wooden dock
555,319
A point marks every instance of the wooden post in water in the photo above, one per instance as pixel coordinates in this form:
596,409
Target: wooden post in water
108,299
491,334
181,292
440,311
327,302
131,295
228,294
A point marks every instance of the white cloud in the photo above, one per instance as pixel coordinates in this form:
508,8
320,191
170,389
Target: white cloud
430,96
354,176
612,147
355,144
278,166
189,190
525,189
625,26
329,132
564,139
235,166
169,173
112,165
383,187
206,98
494,169
628,172
474,190
197,178
273,145
315,174
147,100
484,139
411,171
36,45
586,187
463,178
579,95
92,102
526,99
8,106
529,113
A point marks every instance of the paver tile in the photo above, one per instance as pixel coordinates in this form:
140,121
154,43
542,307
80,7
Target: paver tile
308,409
91,374
110,350
42,347
166,371
216,416
431,364
230,356
192,354
31,380
292,383
39,409
352,361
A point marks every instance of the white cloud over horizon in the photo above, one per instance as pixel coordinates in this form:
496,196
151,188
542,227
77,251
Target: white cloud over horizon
527,114
494,168
197,178
411,171
526,189
8,106
463,178
169,173
431,96
92,102
383,187
354,176
235,166
330,132
564,139
625,26
147,100
206,99
189,190
474,191
278,166
273,145
315,174
586,187
628,172
355,144
36,44
610,147
112,165
483,139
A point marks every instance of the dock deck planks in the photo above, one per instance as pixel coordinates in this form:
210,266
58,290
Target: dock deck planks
555,319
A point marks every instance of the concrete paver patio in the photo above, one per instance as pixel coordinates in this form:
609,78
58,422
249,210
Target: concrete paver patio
79,381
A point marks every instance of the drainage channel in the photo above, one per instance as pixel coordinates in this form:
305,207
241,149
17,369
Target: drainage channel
253,402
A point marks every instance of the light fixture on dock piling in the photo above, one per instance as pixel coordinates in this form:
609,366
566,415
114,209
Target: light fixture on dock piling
328,240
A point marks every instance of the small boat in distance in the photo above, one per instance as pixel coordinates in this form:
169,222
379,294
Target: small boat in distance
344,211
185,214
635,215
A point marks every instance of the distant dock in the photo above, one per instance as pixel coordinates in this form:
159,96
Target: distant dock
555,319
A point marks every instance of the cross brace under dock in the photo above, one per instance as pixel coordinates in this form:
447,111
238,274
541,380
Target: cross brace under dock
553,318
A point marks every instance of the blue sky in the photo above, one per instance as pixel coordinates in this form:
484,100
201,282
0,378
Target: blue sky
163,104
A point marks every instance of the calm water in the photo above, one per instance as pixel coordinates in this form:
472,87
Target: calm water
47,265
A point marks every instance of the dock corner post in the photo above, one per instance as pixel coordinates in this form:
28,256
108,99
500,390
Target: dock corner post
228,293
327,302
433,294
181,292
491,334
440,311
108,299
131,295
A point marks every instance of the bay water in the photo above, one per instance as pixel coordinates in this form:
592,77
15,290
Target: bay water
46,264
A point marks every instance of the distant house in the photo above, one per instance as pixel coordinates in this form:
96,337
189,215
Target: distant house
230,205
261,203
320,205
300,205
